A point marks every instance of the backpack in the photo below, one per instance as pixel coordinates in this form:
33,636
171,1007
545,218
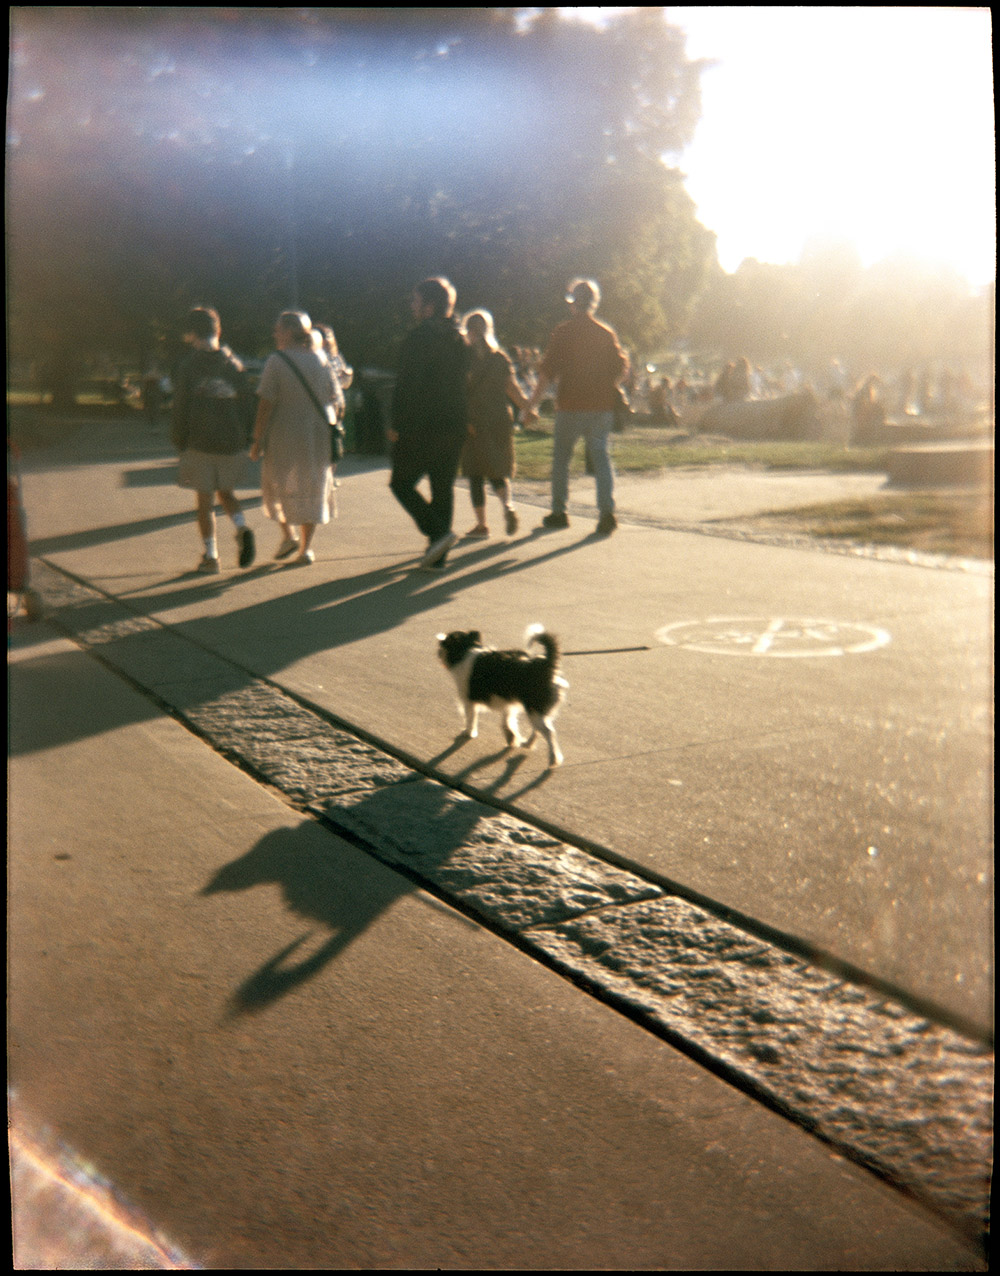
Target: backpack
220,404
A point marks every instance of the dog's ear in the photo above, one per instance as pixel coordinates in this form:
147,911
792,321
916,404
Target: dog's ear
476,636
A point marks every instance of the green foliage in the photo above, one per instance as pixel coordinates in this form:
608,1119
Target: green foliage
256,159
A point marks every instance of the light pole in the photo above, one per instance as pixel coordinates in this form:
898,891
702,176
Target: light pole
293,260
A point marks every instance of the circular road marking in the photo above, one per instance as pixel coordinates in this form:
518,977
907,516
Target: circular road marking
776,636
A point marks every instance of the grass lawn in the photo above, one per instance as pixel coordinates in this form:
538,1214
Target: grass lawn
954,522
649,451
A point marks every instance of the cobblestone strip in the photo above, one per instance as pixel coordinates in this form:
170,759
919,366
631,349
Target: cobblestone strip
909,1098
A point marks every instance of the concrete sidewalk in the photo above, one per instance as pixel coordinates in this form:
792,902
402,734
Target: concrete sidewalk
663,869
764,785
416,1093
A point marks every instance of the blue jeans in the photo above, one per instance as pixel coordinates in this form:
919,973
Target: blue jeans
595,427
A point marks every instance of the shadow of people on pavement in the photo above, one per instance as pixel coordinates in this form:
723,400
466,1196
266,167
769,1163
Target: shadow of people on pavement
328,882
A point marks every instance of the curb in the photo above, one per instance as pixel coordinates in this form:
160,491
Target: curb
906,1097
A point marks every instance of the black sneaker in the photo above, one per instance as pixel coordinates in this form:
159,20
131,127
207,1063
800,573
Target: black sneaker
606,524
511,521
246,545
555,521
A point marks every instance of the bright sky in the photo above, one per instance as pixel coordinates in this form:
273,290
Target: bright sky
873,125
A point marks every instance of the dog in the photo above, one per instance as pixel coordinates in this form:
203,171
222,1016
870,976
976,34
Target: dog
508,681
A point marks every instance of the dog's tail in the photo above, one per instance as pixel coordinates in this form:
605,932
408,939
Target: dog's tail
539,634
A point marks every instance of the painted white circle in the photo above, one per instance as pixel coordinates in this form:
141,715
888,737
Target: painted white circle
780,636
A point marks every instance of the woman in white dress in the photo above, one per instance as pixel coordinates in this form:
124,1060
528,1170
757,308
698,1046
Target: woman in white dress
292,434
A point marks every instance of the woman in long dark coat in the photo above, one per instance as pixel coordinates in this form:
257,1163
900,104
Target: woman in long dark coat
488,454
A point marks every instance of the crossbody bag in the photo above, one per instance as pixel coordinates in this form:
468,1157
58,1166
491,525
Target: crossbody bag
328,413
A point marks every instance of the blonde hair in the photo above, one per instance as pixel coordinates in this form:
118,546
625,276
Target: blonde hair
324,338
297,325
484,316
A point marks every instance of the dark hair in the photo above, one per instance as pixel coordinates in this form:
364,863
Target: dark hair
439,294
583,293
203,323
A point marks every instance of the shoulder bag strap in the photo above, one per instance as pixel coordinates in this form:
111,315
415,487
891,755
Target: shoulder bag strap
305,385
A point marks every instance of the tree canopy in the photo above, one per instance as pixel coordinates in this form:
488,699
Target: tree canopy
257,159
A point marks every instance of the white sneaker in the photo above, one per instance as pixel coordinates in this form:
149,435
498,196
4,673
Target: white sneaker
288,546
436,550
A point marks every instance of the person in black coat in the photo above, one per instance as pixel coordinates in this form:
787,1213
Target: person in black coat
429,415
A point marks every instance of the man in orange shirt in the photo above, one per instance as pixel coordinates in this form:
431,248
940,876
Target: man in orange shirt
586,362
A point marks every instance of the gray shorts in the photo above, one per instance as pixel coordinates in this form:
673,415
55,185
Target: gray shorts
209,472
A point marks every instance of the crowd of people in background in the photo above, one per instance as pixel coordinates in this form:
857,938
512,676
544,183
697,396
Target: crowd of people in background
457,398
660,395
663,398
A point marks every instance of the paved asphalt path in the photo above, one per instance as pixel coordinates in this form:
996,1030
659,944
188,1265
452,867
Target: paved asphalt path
798,737
801,737
436,1100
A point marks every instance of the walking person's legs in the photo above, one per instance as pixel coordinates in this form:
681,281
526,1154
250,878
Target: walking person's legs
505,492
433,517
245,545
305,554
289,539
599,438
406,474
564,439
205,515
598,441
442,472
477,494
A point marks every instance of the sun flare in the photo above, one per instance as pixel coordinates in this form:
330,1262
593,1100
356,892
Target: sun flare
873,126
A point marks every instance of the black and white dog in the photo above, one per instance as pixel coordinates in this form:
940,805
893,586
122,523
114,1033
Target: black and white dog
506,681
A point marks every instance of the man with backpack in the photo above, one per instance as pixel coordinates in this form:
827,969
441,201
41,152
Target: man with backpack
212,417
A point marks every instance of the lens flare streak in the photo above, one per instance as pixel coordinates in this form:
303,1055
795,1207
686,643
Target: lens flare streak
65,1217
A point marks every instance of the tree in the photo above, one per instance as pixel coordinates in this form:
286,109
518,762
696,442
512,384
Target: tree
894,314
263,158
